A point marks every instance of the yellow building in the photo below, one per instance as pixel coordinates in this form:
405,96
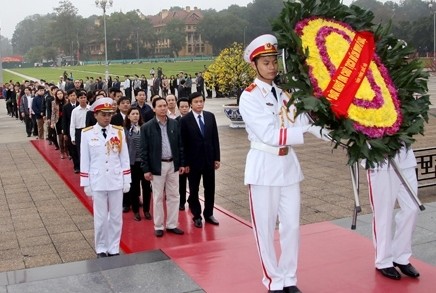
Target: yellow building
195,45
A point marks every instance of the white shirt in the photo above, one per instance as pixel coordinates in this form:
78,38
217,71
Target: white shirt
29,104
78,120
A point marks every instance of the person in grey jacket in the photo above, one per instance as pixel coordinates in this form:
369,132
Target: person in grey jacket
162,162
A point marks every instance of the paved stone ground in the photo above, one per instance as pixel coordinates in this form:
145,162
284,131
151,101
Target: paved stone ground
42,222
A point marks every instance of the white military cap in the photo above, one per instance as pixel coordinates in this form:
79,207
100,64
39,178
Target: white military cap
264,45
104,105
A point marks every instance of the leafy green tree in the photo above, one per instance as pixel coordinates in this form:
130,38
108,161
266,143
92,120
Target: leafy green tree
175,32
36,54
64,27
221,36
5,46
229,73
30,32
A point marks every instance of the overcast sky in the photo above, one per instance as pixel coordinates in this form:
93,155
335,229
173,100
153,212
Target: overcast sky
15,11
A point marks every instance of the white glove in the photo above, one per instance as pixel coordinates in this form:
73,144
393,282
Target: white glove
88,190
318,132
126,187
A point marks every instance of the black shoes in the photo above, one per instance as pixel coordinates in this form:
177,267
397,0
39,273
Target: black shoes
181,208
291,289
176,231
390,273
158,233
104,254
198,223
136,217
147,216
212,220
126,209
101,255
408,270
76,171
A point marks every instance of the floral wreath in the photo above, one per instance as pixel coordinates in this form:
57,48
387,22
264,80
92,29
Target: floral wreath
352,77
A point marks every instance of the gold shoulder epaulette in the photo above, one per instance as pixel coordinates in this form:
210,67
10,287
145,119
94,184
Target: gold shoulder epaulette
251,87
117,127
87,128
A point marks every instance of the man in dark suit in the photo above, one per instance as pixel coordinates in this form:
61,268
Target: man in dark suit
123,104
66,121
202,156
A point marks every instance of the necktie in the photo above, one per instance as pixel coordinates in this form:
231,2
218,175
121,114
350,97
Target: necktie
273,90
201,125
104,132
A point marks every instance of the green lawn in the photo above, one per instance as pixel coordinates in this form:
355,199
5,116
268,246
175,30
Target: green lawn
53,73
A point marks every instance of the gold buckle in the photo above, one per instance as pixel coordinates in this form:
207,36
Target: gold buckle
283,151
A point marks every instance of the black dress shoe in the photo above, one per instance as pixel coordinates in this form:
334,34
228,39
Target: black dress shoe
126,209
291,289
158,233
212,220
390,273
136,217
275,291
114,254
198,223
147,215
101,255
408,270
181,208
76,171
176,231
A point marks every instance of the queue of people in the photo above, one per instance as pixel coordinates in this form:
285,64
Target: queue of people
124,149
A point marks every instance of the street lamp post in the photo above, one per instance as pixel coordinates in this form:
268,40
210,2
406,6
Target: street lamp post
103,4
430,5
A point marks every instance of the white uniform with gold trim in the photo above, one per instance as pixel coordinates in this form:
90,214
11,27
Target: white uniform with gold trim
385,188
105,167
273,174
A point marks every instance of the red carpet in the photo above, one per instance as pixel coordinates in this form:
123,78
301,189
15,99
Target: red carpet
224,259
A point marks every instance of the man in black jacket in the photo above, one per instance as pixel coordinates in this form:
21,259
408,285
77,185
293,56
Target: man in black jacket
202,154
38,107
162,162
66,121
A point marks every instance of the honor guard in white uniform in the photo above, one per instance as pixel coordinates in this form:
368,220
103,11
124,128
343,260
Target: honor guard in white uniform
105,175
272,170
385,189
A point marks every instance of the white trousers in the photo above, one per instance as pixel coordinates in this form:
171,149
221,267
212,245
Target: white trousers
108,220
385,189
267,204
167,183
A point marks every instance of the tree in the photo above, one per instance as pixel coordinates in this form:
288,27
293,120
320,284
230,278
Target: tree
175,32
222,36
6,46
30,32
65,27
229,73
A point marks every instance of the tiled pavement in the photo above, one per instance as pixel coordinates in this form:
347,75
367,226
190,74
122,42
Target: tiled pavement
42,223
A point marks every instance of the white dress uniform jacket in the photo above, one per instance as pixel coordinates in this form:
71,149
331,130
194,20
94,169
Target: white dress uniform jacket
105,163
261,113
